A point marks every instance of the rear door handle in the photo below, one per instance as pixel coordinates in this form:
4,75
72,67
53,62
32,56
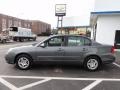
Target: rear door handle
60,49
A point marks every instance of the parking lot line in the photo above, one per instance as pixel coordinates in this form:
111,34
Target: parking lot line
116,65
95,82
33,84
60,78
89,87
9,85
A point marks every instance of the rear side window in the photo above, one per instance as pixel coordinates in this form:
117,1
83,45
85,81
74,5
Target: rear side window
87,42
75,41
78,41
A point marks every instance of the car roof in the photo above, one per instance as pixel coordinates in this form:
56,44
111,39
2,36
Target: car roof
68,35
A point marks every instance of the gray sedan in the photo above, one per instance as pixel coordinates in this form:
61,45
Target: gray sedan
65,49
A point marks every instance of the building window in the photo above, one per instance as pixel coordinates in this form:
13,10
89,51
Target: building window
15,23
3,24
9,23
25,25
28,26
19,23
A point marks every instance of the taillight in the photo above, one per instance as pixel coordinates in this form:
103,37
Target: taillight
113,49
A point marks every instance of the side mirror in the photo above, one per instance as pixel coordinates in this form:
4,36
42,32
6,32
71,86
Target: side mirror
34,44
42,45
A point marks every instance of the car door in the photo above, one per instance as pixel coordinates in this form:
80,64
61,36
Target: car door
76,47
53,49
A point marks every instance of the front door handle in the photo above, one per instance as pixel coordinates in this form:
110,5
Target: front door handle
84,49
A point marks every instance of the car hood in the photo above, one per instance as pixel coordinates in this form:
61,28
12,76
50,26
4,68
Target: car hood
22,48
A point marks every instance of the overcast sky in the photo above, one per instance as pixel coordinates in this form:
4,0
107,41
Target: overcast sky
44,10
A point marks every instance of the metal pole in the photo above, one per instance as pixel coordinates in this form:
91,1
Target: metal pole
95,35
61,23
58,22
86,32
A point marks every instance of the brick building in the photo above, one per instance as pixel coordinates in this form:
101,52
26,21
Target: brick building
40,27
37,27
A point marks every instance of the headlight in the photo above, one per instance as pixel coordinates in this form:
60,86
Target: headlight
9,50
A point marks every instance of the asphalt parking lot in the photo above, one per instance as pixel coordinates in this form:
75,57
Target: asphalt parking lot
57,77
57,83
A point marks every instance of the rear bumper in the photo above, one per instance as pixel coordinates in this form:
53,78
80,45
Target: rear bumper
108,60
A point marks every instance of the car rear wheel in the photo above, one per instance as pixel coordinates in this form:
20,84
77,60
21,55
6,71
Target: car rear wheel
92,63
23,62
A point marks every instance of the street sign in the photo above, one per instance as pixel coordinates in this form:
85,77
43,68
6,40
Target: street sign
60,9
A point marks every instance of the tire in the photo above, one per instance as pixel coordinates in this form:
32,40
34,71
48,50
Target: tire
34,39
92,63
21,40
23,62
4,41
14,39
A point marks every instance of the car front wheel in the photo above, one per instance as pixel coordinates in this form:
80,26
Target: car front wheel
92,63
23,62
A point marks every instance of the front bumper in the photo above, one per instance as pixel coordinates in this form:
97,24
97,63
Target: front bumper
10,58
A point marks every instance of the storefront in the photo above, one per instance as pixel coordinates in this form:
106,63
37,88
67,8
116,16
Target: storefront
105,22
81,30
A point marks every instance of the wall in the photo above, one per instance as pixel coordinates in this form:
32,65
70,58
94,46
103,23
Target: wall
40,28
8,21
77,31
106,27
37,26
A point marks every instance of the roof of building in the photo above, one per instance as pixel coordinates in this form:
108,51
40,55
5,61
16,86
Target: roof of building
106,12
94,15
66,27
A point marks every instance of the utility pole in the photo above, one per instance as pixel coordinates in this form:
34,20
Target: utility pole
60,22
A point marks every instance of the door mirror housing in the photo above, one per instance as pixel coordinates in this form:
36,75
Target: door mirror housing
42,45
34,44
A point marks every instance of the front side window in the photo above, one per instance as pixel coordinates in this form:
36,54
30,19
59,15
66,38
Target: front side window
55,41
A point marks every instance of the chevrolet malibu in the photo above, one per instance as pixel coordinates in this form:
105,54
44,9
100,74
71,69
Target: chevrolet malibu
65,49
